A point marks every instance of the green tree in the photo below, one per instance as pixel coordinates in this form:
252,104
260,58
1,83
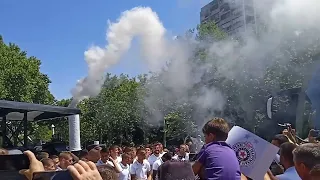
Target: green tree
21,80
20,76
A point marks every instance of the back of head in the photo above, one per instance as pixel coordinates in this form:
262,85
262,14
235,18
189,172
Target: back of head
306,156
286,150
42,155
167,156
218,127
176,170
279,139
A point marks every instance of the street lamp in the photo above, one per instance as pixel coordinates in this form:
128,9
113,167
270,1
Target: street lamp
52,128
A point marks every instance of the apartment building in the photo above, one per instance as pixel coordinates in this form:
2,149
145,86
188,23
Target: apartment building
232,16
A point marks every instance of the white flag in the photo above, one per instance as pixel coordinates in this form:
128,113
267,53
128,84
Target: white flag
255,154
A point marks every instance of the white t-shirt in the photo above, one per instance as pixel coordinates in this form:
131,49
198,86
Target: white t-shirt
161,154
153,158
157,164
124,172
185,158
140,170
119,159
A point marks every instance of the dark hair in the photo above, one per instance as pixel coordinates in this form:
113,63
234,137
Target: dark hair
125,155
104,150
54,156
83,153
140,149
308,154
167,156
157,144
113,147
148,146
286,150
217,126
281,138
42,155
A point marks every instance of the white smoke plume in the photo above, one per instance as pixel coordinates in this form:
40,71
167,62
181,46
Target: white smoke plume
285,24
140,22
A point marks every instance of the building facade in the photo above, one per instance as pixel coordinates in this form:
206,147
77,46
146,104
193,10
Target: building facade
232,16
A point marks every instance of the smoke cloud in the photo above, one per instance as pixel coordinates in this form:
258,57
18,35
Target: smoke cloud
287,30
141,22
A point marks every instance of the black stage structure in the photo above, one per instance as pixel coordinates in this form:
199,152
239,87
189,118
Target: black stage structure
12,111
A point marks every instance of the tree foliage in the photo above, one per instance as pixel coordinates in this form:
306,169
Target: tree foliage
20,78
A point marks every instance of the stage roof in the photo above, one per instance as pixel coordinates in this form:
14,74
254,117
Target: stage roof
13,110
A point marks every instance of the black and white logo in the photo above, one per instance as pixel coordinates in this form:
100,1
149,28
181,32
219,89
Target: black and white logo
245,153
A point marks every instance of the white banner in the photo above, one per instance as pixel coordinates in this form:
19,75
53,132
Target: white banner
255,154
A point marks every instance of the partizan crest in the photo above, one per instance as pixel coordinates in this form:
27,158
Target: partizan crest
245,153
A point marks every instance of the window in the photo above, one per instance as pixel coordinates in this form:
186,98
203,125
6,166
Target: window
249,19
226,15
215,17
214,7
225,7
238,24
249,9
237,13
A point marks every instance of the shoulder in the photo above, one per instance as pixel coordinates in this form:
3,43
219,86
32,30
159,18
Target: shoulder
151,157
134,164
146,163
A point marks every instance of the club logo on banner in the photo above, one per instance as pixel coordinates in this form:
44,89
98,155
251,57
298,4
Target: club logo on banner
245,153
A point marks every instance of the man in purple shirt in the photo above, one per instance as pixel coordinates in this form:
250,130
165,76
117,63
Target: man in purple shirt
217,158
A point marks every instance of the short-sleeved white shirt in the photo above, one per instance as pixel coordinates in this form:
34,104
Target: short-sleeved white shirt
124,172
185,158
153,158
157,164
140,170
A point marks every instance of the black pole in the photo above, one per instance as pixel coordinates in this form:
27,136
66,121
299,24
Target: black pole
4,130
25,130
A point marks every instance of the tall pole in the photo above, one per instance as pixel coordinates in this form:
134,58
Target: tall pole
164,132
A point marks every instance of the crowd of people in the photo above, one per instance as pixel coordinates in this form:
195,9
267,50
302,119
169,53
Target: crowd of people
215,161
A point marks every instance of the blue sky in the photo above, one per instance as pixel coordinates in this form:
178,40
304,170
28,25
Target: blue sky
58,32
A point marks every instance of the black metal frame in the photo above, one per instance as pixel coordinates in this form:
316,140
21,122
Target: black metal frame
48,112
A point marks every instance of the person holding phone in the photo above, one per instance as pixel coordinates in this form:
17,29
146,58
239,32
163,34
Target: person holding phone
79,171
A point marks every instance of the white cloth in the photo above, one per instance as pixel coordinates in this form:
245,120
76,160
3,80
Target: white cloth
153,158
124,172
157,164
140,170
185,158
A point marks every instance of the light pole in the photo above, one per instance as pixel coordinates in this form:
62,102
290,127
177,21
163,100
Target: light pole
164,132
52,128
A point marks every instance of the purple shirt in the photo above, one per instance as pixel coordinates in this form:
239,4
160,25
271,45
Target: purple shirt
220,161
